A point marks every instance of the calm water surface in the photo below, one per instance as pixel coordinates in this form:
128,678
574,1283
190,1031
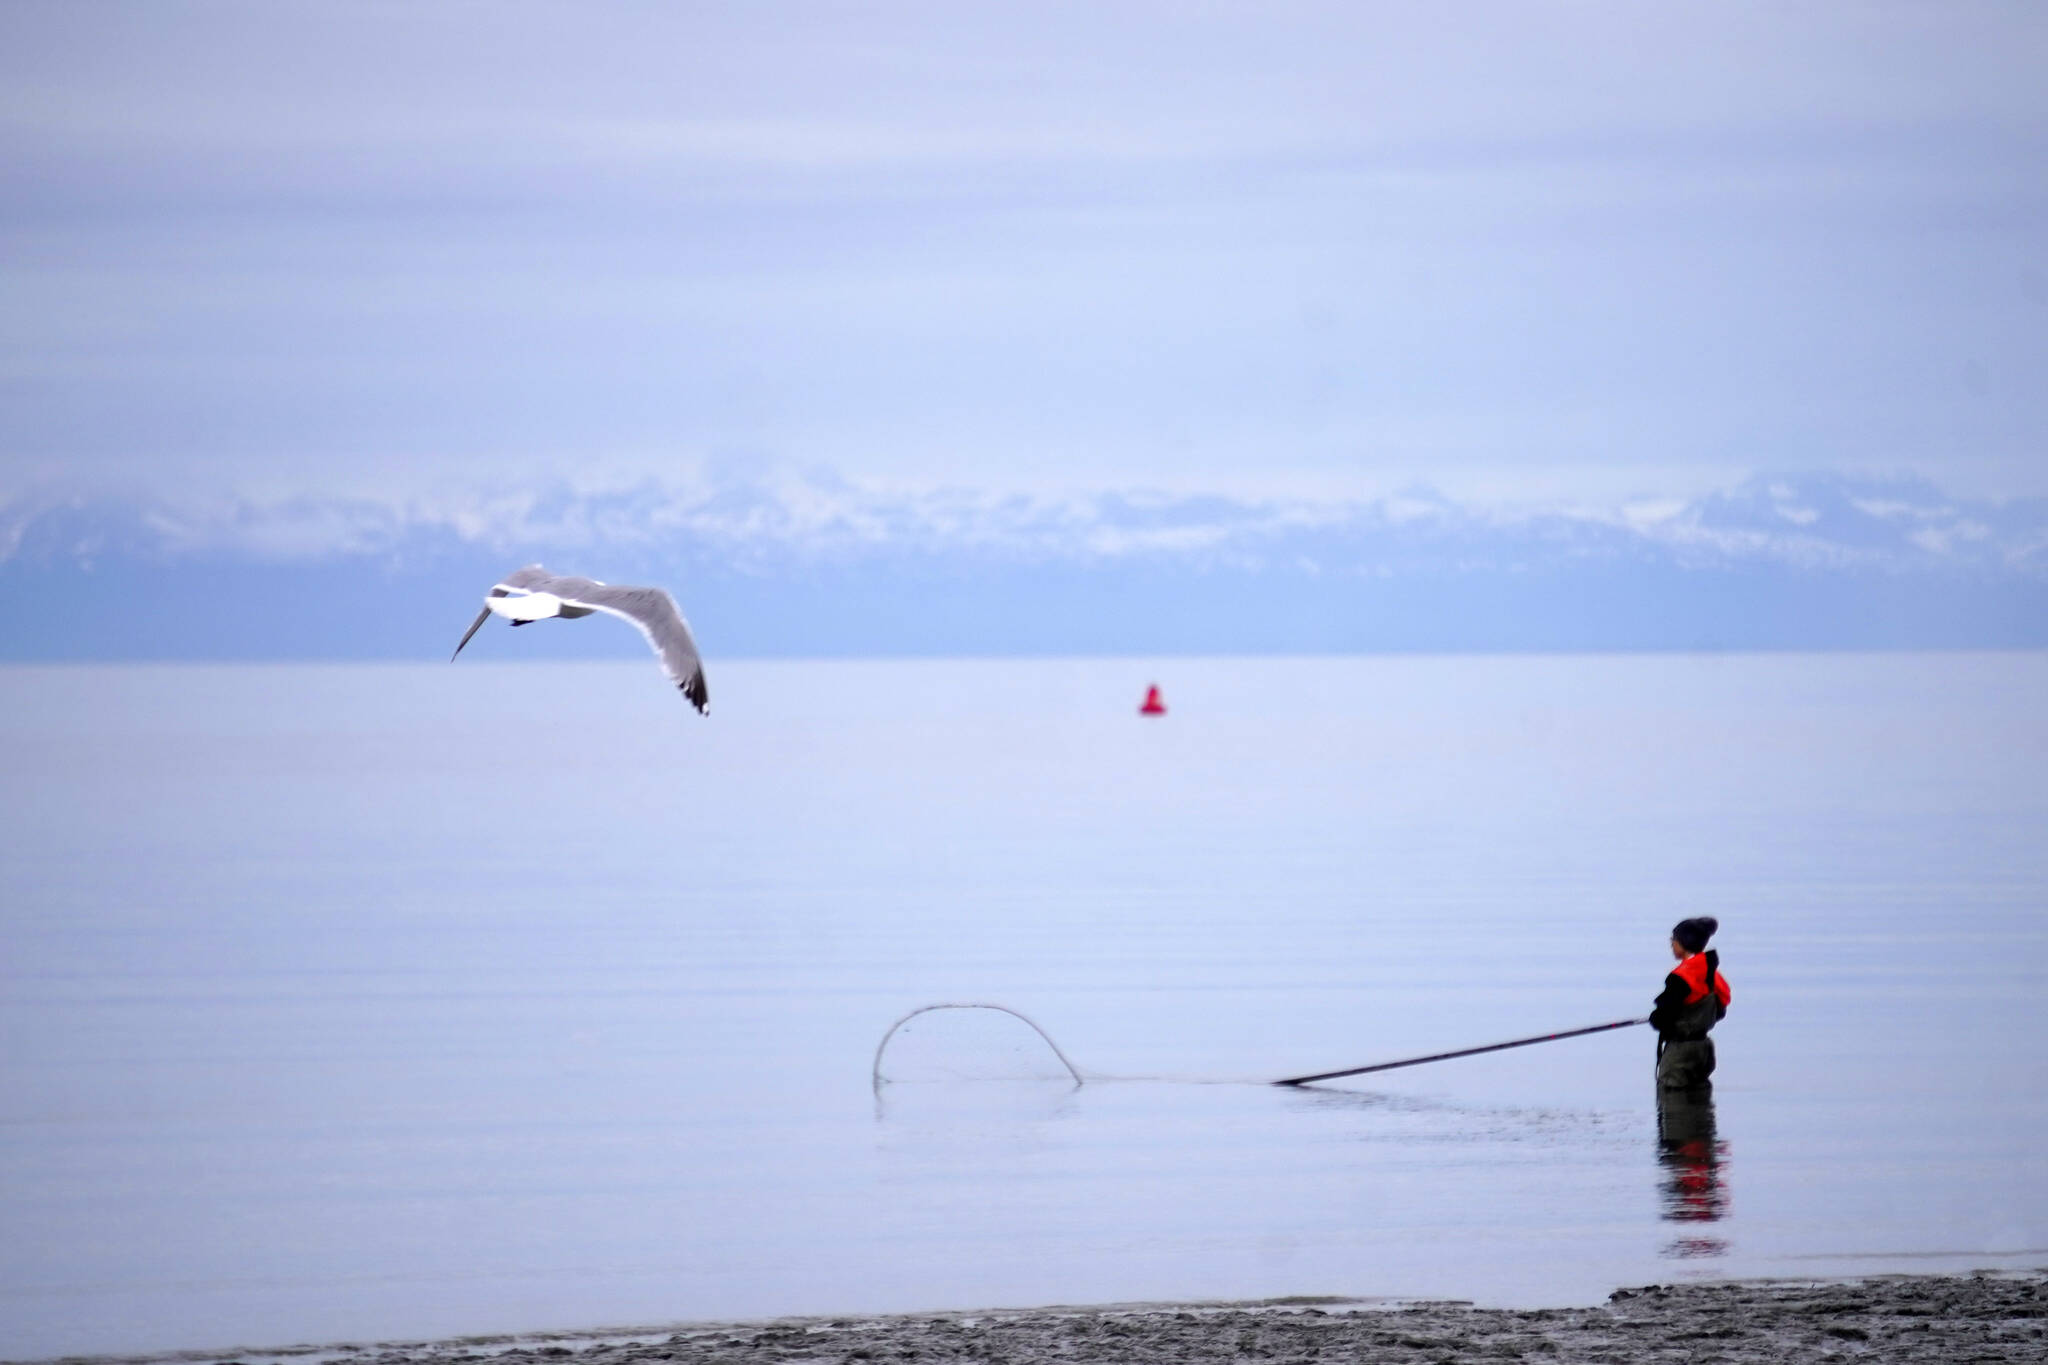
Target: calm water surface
361,1002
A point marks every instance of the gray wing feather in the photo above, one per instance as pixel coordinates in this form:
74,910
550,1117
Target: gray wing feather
654,612
533,578
474,627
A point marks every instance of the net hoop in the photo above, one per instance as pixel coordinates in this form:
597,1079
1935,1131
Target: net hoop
878,1080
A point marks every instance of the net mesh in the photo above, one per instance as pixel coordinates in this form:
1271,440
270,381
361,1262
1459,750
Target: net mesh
969,1042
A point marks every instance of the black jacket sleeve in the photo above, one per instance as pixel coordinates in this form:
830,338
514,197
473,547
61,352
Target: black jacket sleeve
1669,1003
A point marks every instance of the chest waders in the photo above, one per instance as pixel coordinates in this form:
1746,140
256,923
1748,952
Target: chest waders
1685,1054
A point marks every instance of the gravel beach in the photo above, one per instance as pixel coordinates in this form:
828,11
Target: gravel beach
1985,1316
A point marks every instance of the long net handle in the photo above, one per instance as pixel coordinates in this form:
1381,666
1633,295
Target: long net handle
1461,1052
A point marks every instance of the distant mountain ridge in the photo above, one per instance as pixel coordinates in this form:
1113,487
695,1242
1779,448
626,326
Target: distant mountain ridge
817,567
1820,521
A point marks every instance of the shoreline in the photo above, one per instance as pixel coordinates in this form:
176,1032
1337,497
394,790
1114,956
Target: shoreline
1984,1315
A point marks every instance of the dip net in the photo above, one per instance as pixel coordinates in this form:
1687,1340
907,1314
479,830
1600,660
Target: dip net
967,1042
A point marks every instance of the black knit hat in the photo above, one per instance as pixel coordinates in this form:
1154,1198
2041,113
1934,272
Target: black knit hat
1692,934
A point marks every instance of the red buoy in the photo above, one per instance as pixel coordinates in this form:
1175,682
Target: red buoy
1153,706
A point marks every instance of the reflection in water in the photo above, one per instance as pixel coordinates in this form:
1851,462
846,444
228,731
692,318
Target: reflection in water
1004,1102
1691,1155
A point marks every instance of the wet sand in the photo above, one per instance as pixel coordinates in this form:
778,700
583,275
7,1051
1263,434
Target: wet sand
1986,1316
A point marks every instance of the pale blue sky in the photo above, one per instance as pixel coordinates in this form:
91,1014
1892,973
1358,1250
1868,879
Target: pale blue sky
1551,252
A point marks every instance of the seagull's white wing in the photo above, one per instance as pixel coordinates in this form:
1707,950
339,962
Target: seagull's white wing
526,579
654,612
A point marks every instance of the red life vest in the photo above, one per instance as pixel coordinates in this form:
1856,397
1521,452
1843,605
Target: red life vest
1693,972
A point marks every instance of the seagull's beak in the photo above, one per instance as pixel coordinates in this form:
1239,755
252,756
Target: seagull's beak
474,626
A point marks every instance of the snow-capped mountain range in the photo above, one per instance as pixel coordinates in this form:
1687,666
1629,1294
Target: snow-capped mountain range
815,566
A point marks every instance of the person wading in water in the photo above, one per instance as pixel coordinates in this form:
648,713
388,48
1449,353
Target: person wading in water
1695,998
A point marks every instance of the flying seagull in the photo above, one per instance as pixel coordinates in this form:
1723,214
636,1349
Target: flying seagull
534,594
